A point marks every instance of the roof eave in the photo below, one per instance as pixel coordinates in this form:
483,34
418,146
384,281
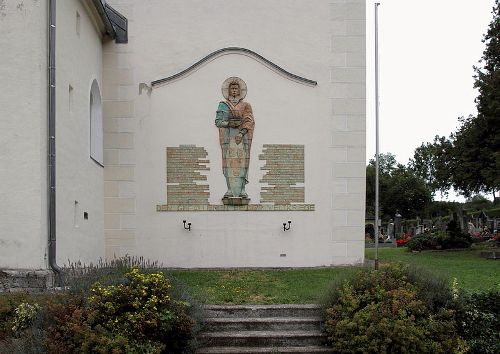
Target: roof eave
115,24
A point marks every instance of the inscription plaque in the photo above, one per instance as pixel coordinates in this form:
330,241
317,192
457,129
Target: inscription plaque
285,170
281,192
184,164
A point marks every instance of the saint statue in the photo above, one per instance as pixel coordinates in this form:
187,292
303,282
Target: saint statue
235,121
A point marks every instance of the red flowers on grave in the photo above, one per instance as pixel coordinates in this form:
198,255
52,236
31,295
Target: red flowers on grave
402,241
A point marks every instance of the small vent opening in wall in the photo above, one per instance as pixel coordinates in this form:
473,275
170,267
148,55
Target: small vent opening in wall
70,98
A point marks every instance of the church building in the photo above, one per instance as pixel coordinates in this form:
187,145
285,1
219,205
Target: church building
195,133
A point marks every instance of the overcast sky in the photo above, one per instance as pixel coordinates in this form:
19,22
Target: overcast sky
427,49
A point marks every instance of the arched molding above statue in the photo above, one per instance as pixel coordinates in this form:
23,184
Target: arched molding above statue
233,50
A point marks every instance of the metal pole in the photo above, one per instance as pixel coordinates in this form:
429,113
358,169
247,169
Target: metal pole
376,138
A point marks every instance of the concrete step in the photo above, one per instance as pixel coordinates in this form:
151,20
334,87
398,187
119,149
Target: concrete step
261,338
262,311
256,350
263,324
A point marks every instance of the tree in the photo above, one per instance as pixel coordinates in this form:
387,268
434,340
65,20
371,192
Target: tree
469,160
443,208
430,162
487,81
407,194
477,142
478,202
401,190
387,163
488,101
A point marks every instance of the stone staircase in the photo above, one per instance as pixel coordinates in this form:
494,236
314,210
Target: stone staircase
253,329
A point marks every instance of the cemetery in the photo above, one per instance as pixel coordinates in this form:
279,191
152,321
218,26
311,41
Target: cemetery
191,177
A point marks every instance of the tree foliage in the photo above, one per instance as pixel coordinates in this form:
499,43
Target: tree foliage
431,162
478,140
472,162
469,160
478,202
401,190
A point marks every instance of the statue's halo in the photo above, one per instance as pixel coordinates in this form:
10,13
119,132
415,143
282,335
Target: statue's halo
227,82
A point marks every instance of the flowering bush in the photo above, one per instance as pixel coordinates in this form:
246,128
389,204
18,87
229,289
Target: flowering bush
384,312
25,315
139,316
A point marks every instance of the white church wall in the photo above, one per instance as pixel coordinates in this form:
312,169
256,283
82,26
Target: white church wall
23,212
80,186
324,42
119,93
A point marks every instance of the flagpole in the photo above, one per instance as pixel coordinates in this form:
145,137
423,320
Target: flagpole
377,231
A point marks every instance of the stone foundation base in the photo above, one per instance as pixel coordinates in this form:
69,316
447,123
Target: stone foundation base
12,280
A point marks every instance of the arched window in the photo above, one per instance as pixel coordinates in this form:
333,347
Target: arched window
96,131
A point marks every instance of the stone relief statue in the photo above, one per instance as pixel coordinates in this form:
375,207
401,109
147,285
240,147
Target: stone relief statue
235,121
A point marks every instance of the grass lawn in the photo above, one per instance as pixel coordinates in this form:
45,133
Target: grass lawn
472,272
290,286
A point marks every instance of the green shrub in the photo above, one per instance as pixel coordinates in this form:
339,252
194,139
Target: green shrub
69,322
10,321
22,325
390,311
456,238
138,316
32,341
453,237
434,290
421,242
478,319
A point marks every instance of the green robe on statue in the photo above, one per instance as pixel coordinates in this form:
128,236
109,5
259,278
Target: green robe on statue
235,157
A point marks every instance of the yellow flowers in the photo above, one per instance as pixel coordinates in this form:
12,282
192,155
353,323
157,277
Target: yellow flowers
454,289
133,304
136,315
25,314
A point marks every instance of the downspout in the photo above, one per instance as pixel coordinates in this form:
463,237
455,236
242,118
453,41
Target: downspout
52,142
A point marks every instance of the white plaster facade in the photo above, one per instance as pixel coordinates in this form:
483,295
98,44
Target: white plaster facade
324,42
79,182
23,137
23,221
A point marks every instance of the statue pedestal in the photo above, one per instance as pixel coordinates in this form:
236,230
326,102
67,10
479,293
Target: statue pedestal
235,201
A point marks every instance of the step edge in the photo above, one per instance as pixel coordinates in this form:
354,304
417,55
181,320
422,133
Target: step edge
261,319
309,348
271,307
262,334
